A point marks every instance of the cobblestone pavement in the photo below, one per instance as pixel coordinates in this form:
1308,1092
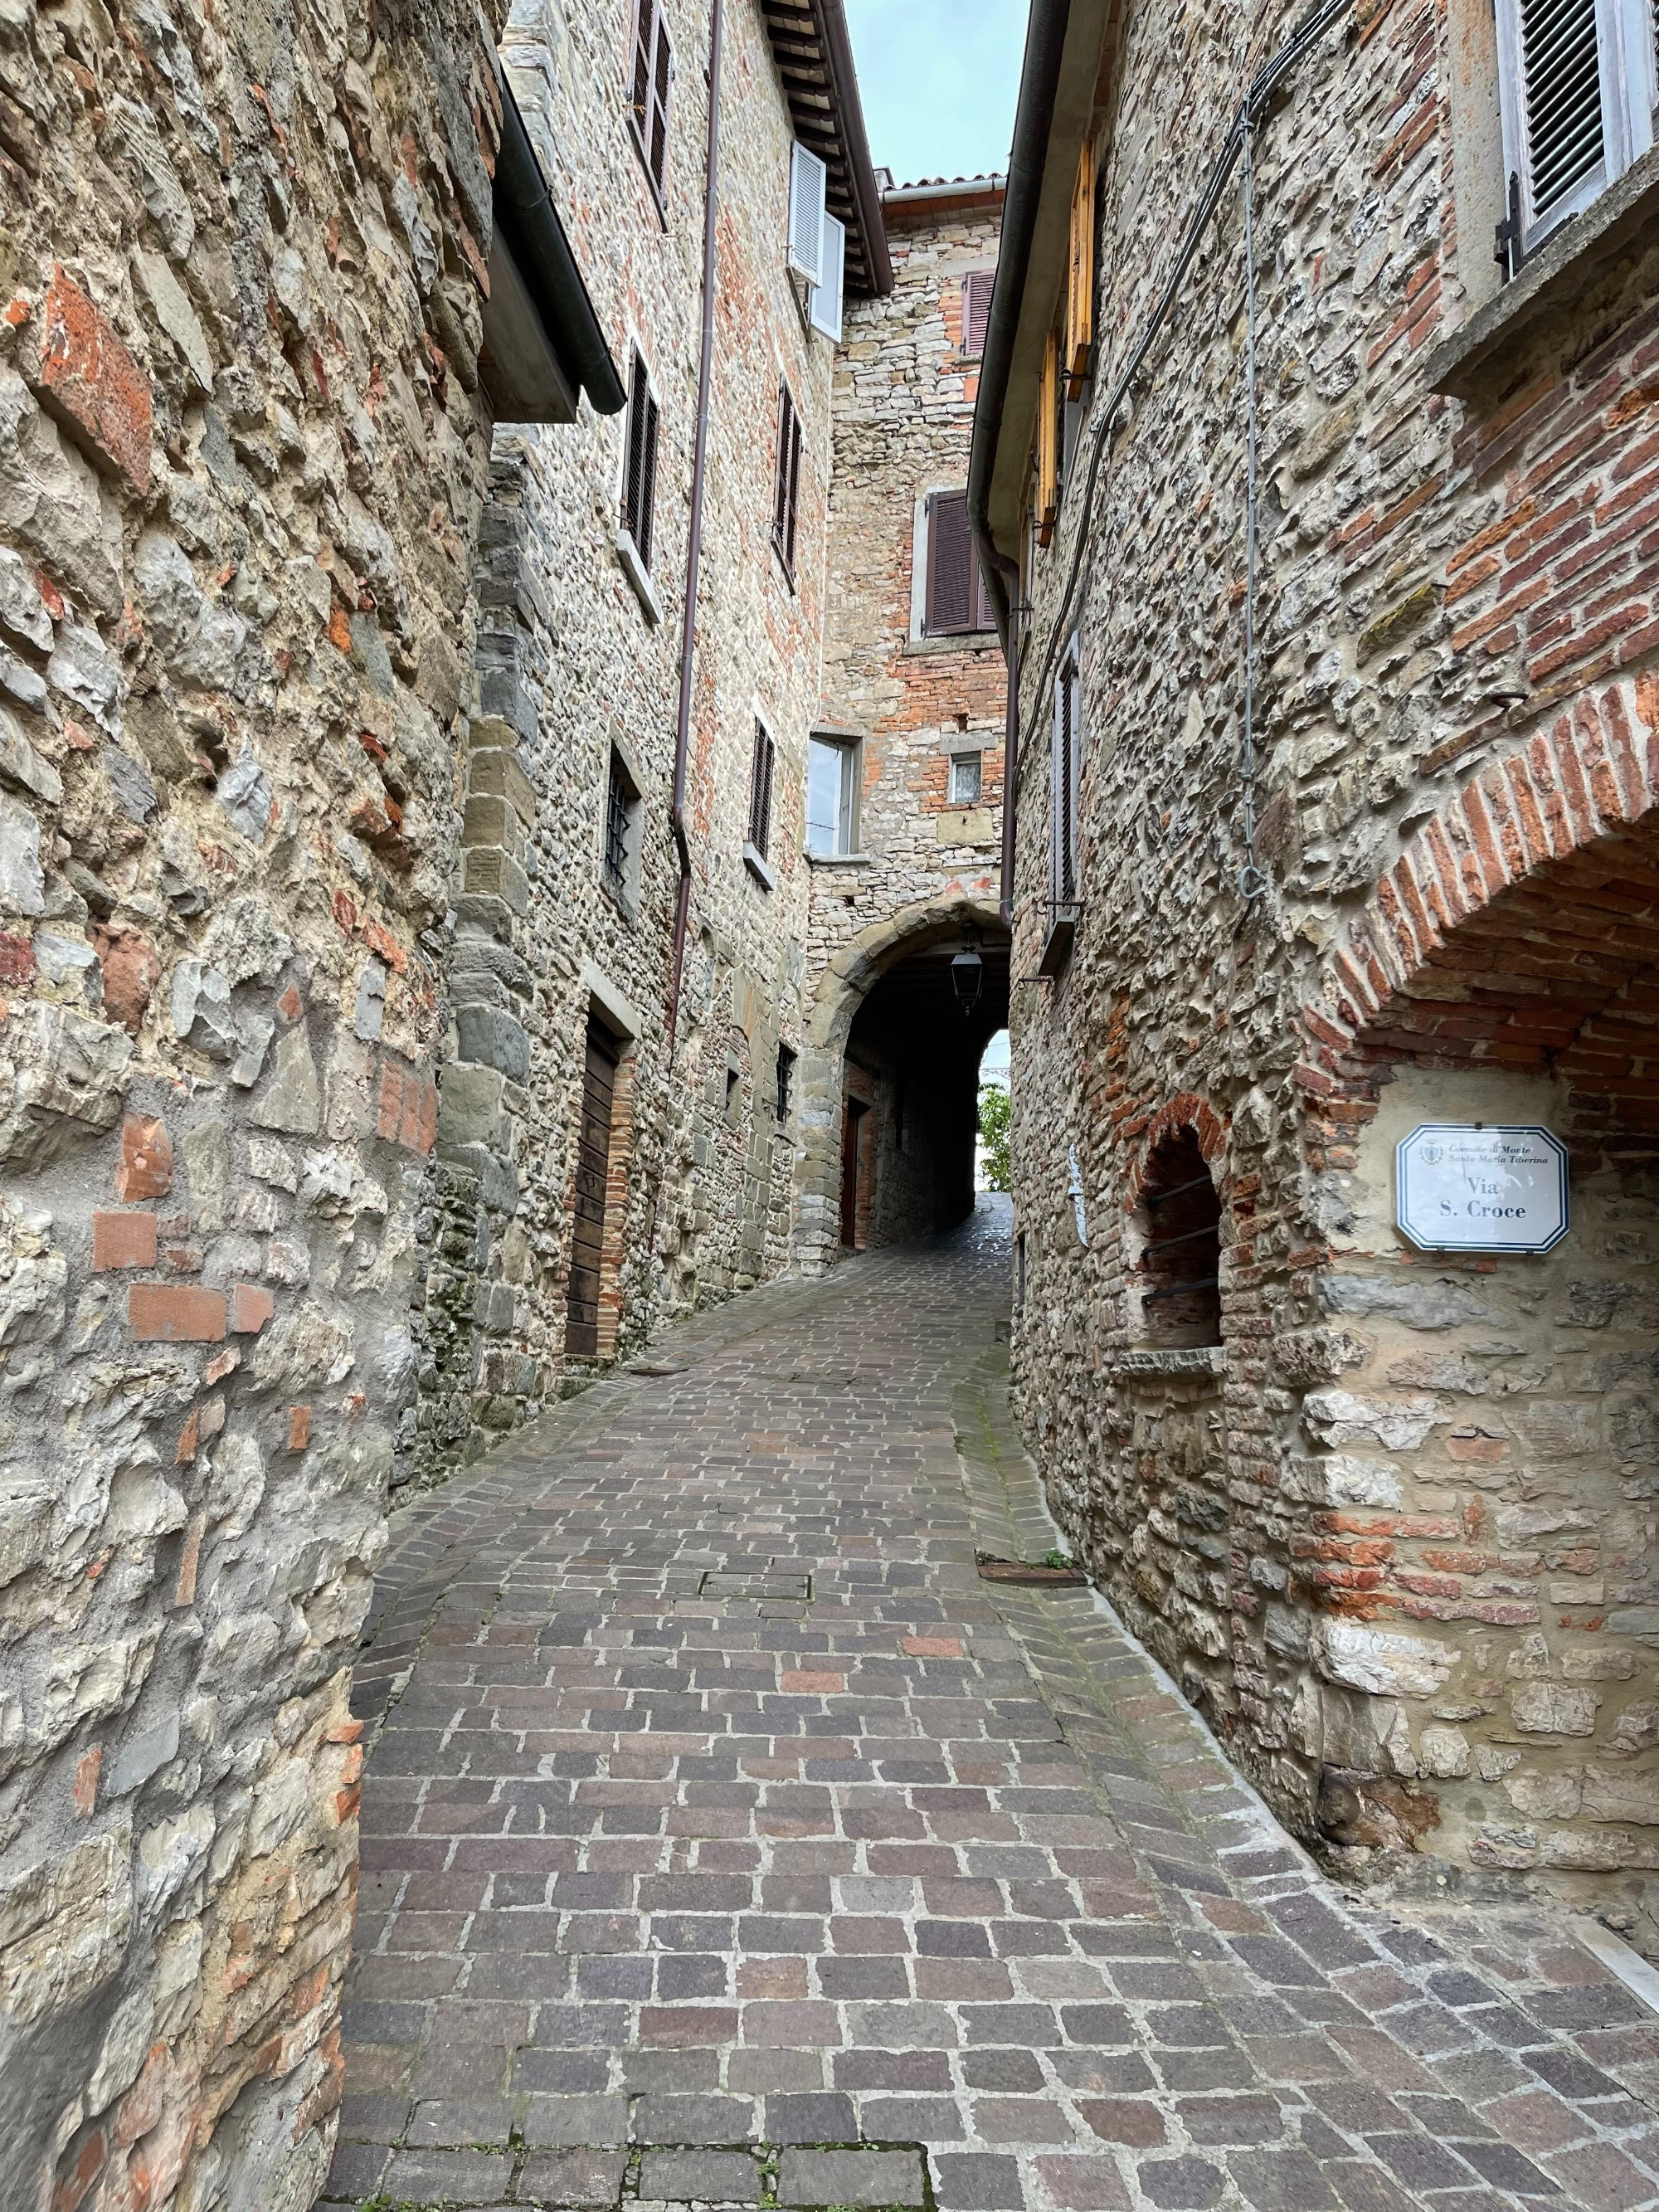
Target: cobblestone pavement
727,1839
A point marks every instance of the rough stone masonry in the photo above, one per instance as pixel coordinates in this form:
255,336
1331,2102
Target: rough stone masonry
1388,1514
242,451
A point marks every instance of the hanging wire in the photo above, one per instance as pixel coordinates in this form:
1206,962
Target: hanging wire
1252,878
1104,412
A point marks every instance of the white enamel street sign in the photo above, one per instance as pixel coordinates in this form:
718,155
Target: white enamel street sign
1481,1187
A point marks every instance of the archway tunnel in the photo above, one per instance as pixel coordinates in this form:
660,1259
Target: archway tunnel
909,1105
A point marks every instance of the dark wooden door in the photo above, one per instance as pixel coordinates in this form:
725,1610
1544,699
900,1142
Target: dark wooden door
849,1173
581,1331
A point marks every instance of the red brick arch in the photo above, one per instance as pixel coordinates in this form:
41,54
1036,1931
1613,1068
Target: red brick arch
1187,1111
1518,926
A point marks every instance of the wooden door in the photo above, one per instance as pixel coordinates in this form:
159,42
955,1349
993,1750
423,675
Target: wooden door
581,1331
849,1173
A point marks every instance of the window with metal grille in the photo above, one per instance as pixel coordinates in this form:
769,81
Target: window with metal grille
1066,753
652,79
955,601
760,789
967,779
786,1082
785,482
976,288
639,499
1577,83
622,815
1181,1261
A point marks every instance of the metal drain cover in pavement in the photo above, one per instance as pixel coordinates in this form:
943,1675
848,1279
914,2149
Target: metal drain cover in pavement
753,1581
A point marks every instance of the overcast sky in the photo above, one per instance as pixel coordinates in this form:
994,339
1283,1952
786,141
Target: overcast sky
938,79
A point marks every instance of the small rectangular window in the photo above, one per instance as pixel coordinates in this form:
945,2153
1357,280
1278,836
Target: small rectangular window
956,601
733,1091
1577,87
761,771
639,499
976,289
621,822
652,79
1063,784
786,1083
966,779
785,484
832,782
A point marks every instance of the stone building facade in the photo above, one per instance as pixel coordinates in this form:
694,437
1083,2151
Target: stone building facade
247,331
1387,1513
557,955
914,690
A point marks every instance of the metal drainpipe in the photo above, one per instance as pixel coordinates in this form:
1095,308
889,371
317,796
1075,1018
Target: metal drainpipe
694,547
1009,738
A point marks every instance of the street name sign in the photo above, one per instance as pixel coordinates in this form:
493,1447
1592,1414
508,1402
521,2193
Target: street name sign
1481,1187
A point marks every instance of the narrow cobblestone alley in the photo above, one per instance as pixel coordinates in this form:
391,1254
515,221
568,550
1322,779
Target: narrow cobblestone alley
728,1839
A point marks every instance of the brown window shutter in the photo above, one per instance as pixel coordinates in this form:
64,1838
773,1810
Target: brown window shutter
983,617
662,70
786,483
760,790
645,14
952,577
648,486
780,472
976,291
639,467
794,492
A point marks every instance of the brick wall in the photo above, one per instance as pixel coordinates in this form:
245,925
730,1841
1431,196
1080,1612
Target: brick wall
904,412
1395,1534
240,263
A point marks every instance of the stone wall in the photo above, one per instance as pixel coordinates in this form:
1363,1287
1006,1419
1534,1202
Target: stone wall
241,460
1395,1534
573,661
903,415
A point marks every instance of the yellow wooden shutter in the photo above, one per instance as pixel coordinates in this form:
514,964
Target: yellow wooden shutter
1048,451
1080,287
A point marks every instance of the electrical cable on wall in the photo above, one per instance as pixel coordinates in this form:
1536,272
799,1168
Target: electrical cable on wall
1252,879
1104,413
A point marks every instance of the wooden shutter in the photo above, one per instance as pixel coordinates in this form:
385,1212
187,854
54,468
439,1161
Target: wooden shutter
808,184
786,482
645,14
640,466
1063,788
651,78
1080,279
976,289
760,790
662,76
1047,467
952,570
823,300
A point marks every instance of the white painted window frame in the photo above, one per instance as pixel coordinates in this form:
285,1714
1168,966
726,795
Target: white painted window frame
1624,38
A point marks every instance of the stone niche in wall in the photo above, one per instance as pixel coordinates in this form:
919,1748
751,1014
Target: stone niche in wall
1167,1417
1481,1545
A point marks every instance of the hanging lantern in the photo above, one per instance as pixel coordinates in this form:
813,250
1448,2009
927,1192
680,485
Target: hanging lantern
967,978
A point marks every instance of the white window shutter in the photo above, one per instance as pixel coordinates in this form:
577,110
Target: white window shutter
808,180
1576,83
823,302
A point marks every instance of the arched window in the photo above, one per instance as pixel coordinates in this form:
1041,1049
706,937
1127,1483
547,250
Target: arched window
1180,1264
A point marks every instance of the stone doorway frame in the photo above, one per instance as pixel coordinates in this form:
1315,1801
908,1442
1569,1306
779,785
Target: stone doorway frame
846,982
